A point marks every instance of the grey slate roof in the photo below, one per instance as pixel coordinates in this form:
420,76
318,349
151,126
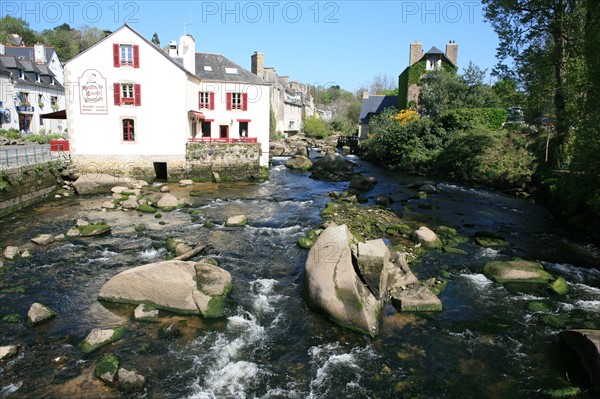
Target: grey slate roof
27,52
435,50
12,64
375,105
218,63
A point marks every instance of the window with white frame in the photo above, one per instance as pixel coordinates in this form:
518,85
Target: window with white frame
127,93
126,54
236,100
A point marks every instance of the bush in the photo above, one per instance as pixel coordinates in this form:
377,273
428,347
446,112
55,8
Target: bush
11,133
343,126
493,158
317,128
471,118
410,146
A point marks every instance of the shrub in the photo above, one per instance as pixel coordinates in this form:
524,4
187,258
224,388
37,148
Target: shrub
406,116
317,128
471,118
343,126
11,133
410,146
492,158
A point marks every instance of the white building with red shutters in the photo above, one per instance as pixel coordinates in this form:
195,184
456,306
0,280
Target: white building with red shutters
131,104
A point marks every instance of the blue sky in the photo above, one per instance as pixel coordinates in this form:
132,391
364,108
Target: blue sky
316,42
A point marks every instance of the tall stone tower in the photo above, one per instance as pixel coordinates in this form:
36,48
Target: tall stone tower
258,64
416,52
452,51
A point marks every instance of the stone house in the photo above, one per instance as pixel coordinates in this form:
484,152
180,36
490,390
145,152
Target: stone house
373,105
419,64
291,101
139,109
30,89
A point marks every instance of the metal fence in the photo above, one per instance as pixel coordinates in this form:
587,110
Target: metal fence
12,156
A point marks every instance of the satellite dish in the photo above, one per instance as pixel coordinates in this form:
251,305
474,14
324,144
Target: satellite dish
7,115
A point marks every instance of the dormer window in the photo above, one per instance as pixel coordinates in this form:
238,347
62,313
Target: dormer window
51,79
21,74
37,77
126,55
231,71
207,68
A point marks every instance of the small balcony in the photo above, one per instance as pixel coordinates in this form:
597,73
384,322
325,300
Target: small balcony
226,140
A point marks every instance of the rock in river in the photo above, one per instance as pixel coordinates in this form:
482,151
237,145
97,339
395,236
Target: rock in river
177,286
44,239
98,338
334,286
518,271
39,313
586,343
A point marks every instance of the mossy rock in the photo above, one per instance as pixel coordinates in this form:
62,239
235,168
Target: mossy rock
457,239
107,367
539,306
93,230
140,227
117,335
559,286
517,271
216,304
208,224
454,251
305,243
168,208
145,208
402,228
211,261
446,231
566,392
555,321
158,215
439,286
195,193
489,242
11,318
314,234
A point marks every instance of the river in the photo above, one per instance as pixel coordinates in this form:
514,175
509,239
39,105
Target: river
484,344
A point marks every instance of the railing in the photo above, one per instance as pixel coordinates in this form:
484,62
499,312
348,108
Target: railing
239,140
11,156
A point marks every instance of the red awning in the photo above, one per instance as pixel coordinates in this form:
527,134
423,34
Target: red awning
196,114
62,114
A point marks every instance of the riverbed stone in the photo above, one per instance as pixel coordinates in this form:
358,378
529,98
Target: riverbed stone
106,369
95,229
417,298
145,312
185,183
332,167
9,351
130,203
586,344
236,221
130,381
559,286
516,271
400,277
98,338
167,201
39,313
93,183
26,253
108,205
177,286
363,183
12,252
119,189
73,232
215,177
165,189
182,248
333,285
373,259
298,162
44,239
427,237
82,223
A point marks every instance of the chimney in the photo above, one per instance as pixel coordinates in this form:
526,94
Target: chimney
39,53
187,51
173,49
258,61
365,95
285,80
416,52
452,51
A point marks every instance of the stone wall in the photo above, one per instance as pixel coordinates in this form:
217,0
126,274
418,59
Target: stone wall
23,185
234,162
135,166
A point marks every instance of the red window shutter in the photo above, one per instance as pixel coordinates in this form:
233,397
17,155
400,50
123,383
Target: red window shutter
117,93
212,101
137,94
136,56
228,99
199,100
244,101
116,56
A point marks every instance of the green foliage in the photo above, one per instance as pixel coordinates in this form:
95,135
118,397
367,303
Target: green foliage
343,126
409,146
497,158
471,118
317,128
12,134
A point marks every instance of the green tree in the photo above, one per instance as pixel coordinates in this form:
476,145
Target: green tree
10,25
541,38
155,39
